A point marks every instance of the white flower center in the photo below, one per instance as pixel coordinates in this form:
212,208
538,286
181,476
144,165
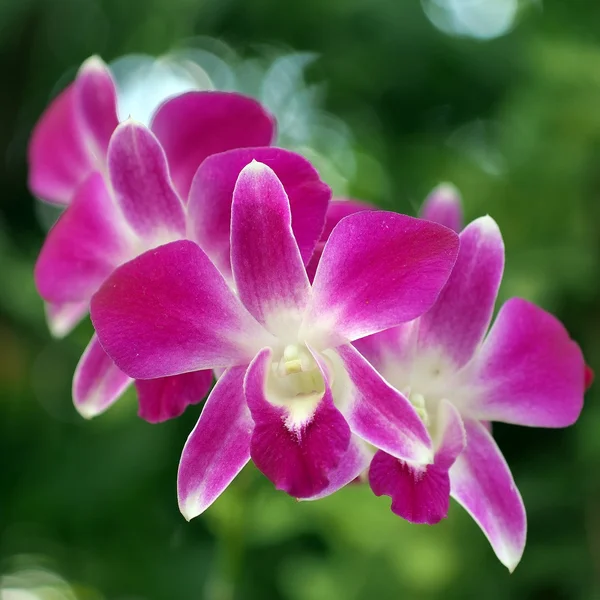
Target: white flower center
425,381
296,383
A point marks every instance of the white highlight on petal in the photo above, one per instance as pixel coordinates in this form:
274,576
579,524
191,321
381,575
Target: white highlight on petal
446,192
192,507
93,63
488,225
62,319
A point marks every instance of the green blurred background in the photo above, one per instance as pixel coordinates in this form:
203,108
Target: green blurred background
414,96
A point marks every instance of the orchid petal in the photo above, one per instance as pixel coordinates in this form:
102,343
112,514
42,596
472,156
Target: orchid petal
140,178
295,454
588,377
211,195
57,157
170,311
96,98
458,321
482,483
353,463
396,346
337,210
82,248
528,371
62,317
377,412
69,141
379,269
168,397
451,437
218,447
421,493
267,267
97,382
443,206
195,125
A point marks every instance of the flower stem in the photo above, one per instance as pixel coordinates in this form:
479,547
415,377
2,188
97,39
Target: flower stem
230,534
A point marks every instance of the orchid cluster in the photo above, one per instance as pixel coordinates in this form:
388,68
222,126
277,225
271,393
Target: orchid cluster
347,343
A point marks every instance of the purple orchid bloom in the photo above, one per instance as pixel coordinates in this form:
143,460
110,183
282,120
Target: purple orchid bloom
294,390
444,206
525,371
133,208
71,138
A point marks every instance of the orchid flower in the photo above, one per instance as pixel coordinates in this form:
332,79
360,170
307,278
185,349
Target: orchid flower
133,208
293,389
525,371
71,139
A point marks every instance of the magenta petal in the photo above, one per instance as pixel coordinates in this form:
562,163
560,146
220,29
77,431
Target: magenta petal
529,370
218,448
451,436
353,463
170,311
380,414
96,98
71,138
421,493
443,206
57,156
82,248
481,481
140,178
588,377
195,125
458,321
97,383
267,267
63,317
398,343
337,210
380,269
168,397
296,457
211,195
